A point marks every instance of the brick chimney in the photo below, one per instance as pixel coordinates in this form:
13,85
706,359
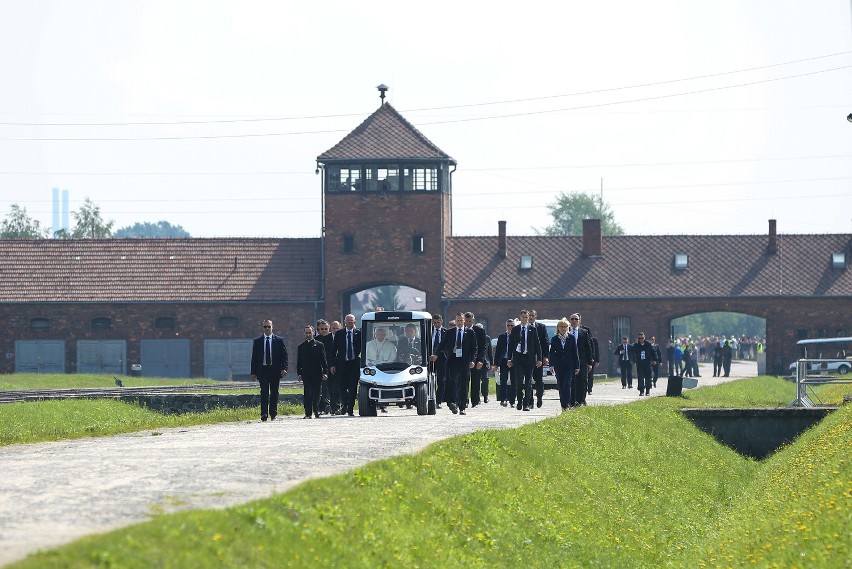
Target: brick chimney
501,239
772,246
592,243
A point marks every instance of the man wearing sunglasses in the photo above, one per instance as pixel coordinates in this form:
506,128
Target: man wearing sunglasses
268,365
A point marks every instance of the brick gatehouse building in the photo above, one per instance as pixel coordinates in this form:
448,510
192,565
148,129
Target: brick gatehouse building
189,307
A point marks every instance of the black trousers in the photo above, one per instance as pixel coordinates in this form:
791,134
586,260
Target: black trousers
313,390
643,375
347,380
506,385
579,385
270,380
458,378
626,373
538,381
440,367
475,377
717,367
522,367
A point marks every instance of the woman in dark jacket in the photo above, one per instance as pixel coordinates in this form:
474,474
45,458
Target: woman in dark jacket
565,362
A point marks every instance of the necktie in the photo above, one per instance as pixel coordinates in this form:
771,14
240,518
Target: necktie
350,353
268,352
458,339
436,341
524,339
625,354
507,345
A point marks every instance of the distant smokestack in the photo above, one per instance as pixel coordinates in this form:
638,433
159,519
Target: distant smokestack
55,227
592,241
772,246
65,225
501,239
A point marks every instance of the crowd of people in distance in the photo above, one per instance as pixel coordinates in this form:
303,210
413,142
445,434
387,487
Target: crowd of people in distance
329,362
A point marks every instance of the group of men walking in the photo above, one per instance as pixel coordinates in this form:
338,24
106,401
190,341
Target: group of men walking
462,356
646,356
329,363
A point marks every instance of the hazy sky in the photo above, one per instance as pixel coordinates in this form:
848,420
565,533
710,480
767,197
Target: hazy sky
693,117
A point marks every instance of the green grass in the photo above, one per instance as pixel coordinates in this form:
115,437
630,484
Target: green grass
72,419
17,381
624,486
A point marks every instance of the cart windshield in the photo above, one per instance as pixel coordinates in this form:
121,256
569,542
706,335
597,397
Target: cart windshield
396,344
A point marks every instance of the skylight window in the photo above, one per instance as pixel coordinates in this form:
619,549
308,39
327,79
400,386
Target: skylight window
838,260
681,261
526,263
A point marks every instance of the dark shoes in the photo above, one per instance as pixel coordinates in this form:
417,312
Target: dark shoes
538,402
307,417
526,408
462,412
453,407
519,405
485,399
263,417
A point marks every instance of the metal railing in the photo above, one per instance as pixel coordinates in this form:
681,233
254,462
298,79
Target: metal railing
807,377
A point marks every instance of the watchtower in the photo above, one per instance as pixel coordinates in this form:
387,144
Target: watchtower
387,196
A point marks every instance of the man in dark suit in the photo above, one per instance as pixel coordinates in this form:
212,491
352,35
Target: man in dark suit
269,364
459,347
526,356
323,334
544,342
502,356
347,363
596,355
625,362
408,348
658,359
481,348
586,353
438,359
644,356
312,368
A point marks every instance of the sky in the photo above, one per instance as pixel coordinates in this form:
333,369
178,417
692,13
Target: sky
703,117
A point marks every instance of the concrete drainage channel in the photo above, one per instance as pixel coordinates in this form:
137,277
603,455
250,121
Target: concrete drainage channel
757,433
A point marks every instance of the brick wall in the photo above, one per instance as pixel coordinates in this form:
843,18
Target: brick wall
134,322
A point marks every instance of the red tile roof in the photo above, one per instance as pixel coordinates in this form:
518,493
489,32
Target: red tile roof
385,135
642,267
159,270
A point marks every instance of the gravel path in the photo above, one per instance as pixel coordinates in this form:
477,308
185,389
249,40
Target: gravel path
55,493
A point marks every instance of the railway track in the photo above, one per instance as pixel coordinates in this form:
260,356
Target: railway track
22,395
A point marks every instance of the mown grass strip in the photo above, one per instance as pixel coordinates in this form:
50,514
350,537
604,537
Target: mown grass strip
628,486
41,421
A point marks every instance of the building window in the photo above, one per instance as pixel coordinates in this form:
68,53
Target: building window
681,261
165,323
620,328
228,322
39,323
101,323
348,244
418,244
838,260
525,263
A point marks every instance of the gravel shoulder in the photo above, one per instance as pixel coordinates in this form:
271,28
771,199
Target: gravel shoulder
55,493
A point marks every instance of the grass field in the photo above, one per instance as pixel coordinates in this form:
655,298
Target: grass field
626,486
18,381
41,421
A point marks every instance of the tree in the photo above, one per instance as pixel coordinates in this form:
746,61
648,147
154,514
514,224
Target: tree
148,229
89,223
570,209
21,226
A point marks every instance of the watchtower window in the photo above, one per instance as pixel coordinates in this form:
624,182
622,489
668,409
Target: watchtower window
348,244
422,179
